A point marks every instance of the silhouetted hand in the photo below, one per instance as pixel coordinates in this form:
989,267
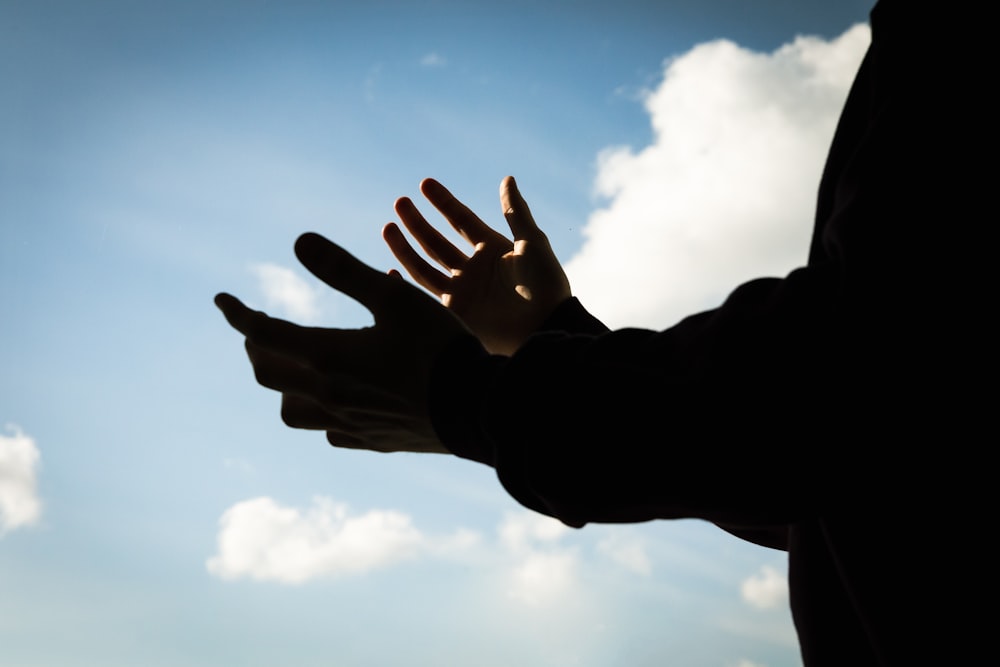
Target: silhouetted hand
504,290
367,388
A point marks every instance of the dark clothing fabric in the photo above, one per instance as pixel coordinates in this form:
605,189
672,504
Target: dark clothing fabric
797,414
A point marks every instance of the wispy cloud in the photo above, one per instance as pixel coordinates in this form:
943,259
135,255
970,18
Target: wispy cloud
433,60
19,461
521,531
627,552
539,569
371,83
283,289
768,589
726,191
238,465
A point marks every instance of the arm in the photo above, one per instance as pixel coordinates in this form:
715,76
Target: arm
576,424
481,294
797,395
701,420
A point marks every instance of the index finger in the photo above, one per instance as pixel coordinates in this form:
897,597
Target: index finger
240,317
516,211
458,215
279,336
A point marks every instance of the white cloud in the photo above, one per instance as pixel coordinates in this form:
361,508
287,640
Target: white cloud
727,189
285,290
765,590
263,540
433,60
19,460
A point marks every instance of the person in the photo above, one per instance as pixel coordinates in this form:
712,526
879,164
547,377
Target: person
790,415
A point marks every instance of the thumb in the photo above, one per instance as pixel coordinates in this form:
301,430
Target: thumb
515,210
343,272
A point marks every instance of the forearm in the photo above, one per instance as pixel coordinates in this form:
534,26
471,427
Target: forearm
634,424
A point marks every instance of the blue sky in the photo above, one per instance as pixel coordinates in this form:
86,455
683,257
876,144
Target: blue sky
153,508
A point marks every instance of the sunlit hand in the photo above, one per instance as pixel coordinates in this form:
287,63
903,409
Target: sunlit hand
505,289
367,388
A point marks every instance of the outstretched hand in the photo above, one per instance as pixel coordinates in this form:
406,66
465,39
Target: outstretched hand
367,388
505,289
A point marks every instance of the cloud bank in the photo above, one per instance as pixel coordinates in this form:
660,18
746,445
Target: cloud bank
726,191
19,460
263,540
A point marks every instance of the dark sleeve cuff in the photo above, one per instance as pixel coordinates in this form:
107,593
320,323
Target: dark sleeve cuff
570,316
463,373
460,380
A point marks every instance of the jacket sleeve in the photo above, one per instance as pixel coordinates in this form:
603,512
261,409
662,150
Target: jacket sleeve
799,393
571,317
633,425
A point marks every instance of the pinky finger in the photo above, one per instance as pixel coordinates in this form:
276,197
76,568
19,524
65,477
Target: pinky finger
300,412
341,439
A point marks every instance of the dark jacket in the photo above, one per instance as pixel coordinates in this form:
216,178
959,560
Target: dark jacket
797,413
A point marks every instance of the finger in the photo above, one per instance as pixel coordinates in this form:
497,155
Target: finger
341,439
431,240
238,315
253,324
291,340
322,397
458,215
300,412
277,371
345,273
377,443
423,273
516,211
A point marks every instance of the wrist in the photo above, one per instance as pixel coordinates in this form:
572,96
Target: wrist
459,384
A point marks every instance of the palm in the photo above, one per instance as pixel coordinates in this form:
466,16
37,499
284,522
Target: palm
505,289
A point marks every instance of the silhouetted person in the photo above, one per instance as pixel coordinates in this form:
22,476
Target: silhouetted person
828,413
